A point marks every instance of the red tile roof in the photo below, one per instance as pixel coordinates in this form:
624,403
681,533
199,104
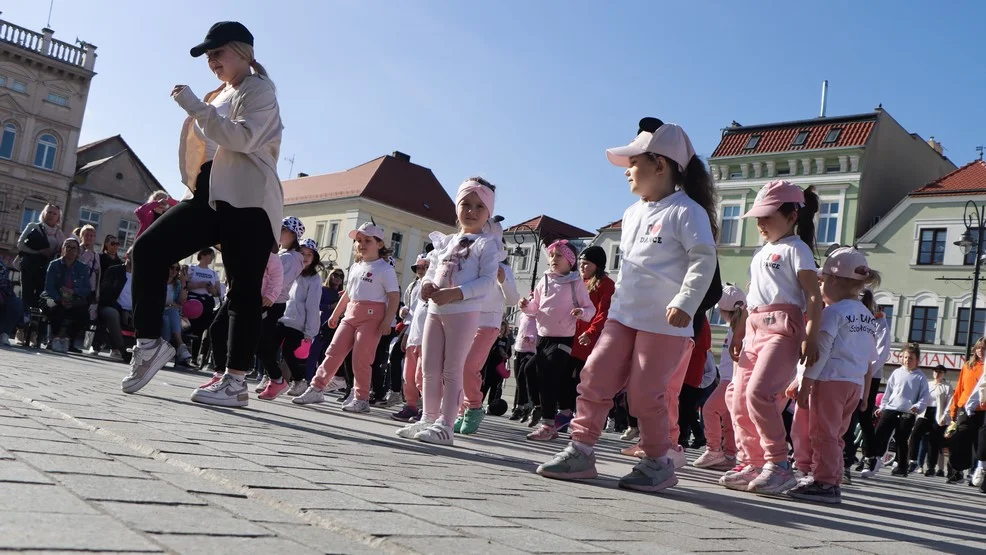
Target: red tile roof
777,137
392,181
969,179
618,224
551,229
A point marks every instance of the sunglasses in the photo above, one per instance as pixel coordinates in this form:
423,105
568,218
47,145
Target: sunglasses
176,268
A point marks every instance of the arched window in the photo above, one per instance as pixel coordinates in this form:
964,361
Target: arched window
7,141
44,155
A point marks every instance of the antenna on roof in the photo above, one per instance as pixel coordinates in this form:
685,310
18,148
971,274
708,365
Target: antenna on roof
979,149
291,168
825,93
51,5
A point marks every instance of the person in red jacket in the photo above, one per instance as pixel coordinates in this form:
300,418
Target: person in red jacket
592,267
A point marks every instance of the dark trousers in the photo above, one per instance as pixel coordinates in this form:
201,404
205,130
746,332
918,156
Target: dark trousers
33,270
289,340
75,318
381,376
269,344
569,392
492,385
867,424
320,343
220,328
184,230
395,365
521,397
929,427
553,360
198,326
690,400
849,440
897,424
533,380
969,437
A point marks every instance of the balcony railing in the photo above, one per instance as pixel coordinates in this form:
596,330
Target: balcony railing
43,43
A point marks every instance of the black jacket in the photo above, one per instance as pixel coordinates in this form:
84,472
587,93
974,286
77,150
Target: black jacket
112,285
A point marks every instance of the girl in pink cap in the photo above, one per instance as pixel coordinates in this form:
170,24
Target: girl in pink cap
461,274
361,318
560,300
669,259
771,335
831,389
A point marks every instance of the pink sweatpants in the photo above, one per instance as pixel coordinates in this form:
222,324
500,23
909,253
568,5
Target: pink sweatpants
817,432
718,423
412,375
359,332
472,379
767,365
447,338
644,364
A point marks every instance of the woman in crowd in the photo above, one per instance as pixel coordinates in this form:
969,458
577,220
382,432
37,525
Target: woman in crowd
203,286
175,297
66,297
40,242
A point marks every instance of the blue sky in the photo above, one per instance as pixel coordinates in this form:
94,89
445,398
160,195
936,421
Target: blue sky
529,94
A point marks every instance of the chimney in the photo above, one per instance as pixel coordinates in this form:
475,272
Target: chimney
825,93
302,174
401,156
935,145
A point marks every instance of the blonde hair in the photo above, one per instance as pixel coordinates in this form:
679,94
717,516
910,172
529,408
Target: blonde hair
85,228
245,51
158,196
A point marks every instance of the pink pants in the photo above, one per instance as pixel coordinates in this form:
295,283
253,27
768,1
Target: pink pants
472,379
767,365
359,332
644,363
817,432
447,338
412,375
718,423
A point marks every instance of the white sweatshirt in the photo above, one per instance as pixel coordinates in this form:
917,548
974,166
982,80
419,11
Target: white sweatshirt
491,315
906,390
846,343
301,312
292,262
466,261
882,346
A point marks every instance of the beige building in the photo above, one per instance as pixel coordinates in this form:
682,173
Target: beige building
527,243
44,86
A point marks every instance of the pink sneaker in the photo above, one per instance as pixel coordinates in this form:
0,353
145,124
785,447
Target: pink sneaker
274,389
216,376
544,432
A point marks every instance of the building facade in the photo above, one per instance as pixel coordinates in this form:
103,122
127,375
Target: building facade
527,243
44,87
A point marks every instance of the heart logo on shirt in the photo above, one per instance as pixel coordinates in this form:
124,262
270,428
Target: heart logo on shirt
775,257
655,229
369,274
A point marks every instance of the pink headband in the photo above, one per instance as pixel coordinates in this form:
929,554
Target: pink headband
562,246
486,195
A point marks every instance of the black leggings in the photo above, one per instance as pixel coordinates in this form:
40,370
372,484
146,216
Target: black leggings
867,425
288,339
381,362
897,424
690,400
269,343
571,379
198,326
553,360
970,435
75,319
521,396
936,434
182,231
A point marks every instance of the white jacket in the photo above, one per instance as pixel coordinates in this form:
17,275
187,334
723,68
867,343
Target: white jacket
491,315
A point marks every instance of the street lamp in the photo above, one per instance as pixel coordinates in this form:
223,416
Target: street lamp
519,252
973,219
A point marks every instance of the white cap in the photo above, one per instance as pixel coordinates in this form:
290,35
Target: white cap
367,229
731,296
669,140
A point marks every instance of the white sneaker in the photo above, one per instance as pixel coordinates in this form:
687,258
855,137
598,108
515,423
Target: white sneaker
227,392
409,431
263,384
610,425
872,467
436,434
710,459
349,400
310,396
677,455
145,364
297,388
392,399
977,476
631,434
359,405
335,384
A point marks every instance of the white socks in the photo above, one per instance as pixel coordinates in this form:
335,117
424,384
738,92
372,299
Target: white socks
982,464
144,343
585,448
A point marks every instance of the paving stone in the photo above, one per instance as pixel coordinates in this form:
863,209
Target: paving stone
324,540
459,546
104,488
270,479
210,545
193,483
73,465
5,455
229,463
384,495
15,444
385,524
26,498
149,464
33,433
111,448
308,500
50,532
18,472
158,519
251,509
495,508
280,461
451,516
329,477
535,541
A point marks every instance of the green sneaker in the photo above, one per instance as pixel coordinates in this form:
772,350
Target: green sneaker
650,475
570,464
471,421
457,427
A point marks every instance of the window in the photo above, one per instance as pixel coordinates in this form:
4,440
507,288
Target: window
44,155
962,327
888,313
833,135
729,229
56,98
89,217
970,259
319,231
931,247
784,170
616,259
715,317
833,166
126,233
30,215
924,323
396,239
828,222
800,138
521,259
752,143
333,233
7,141
738,174
3,81
19,86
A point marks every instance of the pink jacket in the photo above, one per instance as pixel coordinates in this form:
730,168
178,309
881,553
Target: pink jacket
527,334
146,215
273,279
554,299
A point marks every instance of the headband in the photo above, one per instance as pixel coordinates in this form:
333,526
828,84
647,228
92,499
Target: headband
565,249
486,195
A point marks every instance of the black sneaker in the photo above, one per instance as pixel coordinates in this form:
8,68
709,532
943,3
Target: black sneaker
698,443
899,471
912,467
846,477
955,477
929,473
940,474
861,465
816,492
535,417
516,413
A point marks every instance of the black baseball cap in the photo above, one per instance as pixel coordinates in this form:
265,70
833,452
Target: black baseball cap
649,125
222,33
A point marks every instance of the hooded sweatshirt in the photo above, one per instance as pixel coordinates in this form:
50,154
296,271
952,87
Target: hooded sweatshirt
554,299
292,263
301,312
527,334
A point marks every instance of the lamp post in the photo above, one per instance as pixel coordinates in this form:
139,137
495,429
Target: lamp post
972,216
518,251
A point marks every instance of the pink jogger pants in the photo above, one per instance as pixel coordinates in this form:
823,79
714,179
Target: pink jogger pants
412,375
472,379
817,432
767,365
447,338
641,362
359,332
718,423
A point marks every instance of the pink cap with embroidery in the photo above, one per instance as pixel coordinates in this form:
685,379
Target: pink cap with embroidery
669,140
772,195
731,296
367,229
846,262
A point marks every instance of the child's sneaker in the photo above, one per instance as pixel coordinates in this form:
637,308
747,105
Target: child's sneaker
457,425
273,390
436,434
570,464
337,383
227,392
819,493
544,432
405,414
739,478
215,378
409,431
359,406
650,475
677,455
562,422
873,465
471,421
773,480
631,434
263,384
297,388
311,395
711,459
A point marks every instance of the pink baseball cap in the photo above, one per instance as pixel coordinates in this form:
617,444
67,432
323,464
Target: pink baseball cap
422,259
846,262
367,229
731,296
772,195
669,140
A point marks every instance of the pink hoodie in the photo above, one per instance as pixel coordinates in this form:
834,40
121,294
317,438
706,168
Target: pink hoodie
554,299
527,334
146,215
273,279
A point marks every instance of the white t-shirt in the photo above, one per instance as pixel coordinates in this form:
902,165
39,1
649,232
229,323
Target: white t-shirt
466,261
725,360
669,259
774,273
198,273
222,104
126,300
372,281
846,343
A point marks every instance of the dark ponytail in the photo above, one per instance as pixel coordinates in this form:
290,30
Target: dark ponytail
697,184
804,224
868,300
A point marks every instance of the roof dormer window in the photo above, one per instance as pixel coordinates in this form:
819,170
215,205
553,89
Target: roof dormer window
833,135
800,138
752,142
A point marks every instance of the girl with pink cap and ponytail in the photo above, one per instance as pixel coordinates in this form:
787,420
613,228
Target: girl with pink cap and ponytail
461,274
